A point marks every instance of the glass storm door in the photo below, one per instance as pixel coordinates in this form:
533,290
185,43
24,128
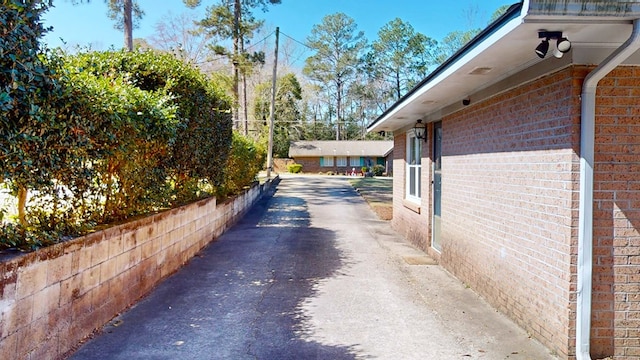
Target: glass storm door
437,184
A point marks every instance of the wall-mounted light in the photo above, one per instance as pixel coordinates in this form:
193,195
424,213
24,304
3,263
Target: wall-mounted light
419,130
563,45
541,50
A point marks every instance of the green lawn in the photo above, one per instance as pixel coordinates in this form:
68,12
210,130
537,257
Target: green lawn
378,192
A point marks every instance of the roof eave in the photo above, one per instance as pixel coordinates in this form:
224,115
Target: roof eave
512,16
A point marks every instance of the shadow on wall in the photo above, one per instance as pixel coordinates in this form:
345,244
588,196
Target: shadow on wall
616,230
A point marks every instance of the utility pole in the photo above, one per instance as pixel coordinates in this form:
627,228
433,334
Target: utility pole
273,107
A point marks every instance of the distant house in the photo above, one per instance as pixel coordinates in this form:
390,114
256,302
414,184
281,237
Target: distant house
341,156
520,172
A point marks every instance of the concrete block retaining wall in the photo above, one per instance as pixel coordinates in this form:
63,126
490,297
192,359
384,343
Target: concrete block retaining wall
52,298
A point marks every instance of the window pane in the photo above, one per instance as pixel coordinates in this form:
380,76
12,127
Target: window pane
412,181
418,182
412,150
328,161
415,150
437,191
413,167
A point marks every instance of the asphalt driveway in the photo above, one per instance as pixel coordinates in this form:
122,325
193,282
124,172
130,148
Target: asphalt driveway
311,273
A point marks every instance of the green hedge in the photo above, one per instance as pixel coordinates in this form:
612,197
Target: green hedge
246,160
99,137
294,168
199,142
378,170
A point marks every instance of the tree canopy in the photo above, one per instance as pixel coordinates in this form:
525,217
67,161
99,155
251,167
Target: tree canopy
401,57
338,47
347,80
288,120
234,20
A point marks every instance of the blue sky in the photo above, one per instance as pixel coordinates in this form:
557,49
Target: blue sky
87,24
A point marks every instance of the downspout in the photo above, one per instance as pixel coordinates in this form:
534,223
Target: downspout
585,220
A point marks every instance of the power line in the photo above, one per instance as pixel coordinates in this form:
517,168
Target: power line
258,42
264,39
299,42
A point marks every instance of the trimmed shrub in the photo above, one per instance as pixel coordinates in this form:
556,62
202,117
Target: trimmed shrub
244,164
126,133
378,170
98,137
294,168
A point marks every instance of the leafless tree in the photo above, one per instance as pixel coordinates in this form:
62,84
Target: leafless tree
180,35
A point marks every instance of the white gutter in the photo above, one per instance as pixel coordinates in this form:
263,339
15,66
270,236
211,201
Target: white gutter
585,224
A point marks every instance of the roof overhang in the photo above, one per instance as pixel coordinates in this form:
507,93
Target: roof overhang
506,47
319,148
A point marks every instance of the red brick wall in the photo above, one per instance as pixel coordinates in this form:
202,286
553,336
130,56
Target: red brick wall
616,298
510,207
413,222
510,191
311,165
509,200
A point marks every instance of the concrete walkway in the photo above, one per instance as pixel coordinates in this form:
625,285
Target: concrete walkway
311,273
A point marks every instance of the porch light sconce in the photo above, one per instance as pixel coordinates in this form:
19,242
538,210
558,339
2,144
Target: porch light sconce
419,130
563,45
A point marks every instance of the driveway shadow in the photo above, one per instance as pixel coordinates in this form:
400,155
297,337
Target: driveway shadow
240,298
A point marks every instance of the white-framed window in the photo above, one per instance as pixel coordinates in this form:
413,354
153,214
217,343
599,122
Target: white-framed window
326,161
355,161
341,161
414,166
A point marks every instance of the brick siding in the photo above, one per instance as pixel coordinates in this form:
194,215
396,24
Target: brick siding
510,207
616,300
509,194
412,222
311,165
